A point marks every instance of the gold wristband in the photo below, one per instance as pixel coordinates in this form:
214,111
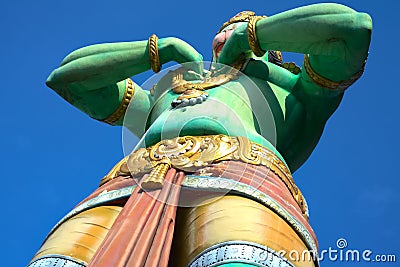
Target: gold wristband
153,53
252,36
326,83
120,111
240,17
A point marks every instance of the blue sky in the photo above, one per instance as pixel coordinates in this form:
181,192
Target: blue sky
54,155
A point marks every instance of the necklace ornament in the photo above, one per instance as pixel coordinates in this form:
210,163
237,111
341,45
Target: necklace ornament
194,93
190,97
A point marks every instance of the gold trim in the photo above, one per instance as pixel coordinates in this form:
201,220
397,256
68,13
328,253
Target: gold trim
326,83
279,55
113,172
240,17
275,57
233,218
191,93
119,113
191,153
252,36
179,85
155,180
292,67
153,53
153,89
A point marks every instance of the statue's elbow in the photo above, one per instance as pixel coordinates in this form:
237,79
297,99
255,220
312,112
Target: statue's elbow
52,81
364,21
362,39
359,34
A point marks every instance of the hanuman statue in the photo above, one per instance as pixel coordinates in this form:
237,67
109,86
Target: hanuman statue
210,183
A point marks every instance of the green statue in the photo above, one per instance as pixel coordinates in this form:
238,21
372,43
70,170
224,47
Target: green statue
251,119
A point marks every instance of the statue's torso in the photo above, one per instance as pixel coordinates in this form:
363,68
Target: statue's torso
263,111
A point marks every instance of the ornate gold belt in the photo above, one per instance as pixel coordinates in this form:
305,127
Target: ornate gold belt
191,153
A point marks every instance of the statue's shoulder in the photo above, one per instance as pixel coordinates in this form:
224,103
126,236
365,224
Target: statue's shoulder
274,74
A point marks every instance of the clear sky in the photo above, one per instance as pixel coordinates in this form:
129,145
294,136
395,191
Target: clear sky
54,155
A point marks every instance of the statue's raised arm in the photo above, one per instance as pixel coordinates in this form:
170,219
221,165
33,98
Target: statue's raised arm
95,78
336,38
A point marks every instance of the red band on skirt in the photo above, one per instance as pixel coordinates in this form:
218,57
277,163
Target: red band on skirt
142,233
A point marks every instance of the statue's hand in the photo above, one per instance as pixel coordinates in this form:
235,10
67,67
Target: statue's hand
235,46
183,52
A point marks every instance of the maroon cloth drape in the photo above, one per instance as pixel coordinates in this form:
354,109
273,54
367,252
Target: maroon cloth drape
142,233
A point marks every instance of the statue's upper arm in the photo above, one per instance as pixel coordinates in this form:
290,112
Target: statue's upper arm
110,104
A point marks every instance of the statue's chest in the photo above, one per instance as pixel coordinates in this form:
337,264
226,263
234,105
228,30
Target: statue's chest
267,108
270,100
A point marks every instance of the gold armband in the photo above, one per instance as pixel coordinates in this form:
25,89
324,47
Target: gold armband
252,36
153,53
326,83
119,113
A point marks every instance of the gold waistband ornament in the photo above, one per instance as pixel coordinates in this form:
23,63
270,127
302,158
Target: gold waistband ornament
191,153
155,180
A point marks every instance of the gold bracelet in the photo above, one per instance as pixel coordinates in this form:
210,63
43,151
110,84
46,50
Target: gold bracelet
153,53
240,17
119,113
252,36
326,83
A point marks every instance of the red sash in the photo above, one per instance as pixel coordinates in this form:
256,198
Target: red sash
142,233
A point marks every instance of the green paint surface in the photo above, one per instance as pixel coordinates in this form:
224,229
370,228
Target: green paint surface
271,106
